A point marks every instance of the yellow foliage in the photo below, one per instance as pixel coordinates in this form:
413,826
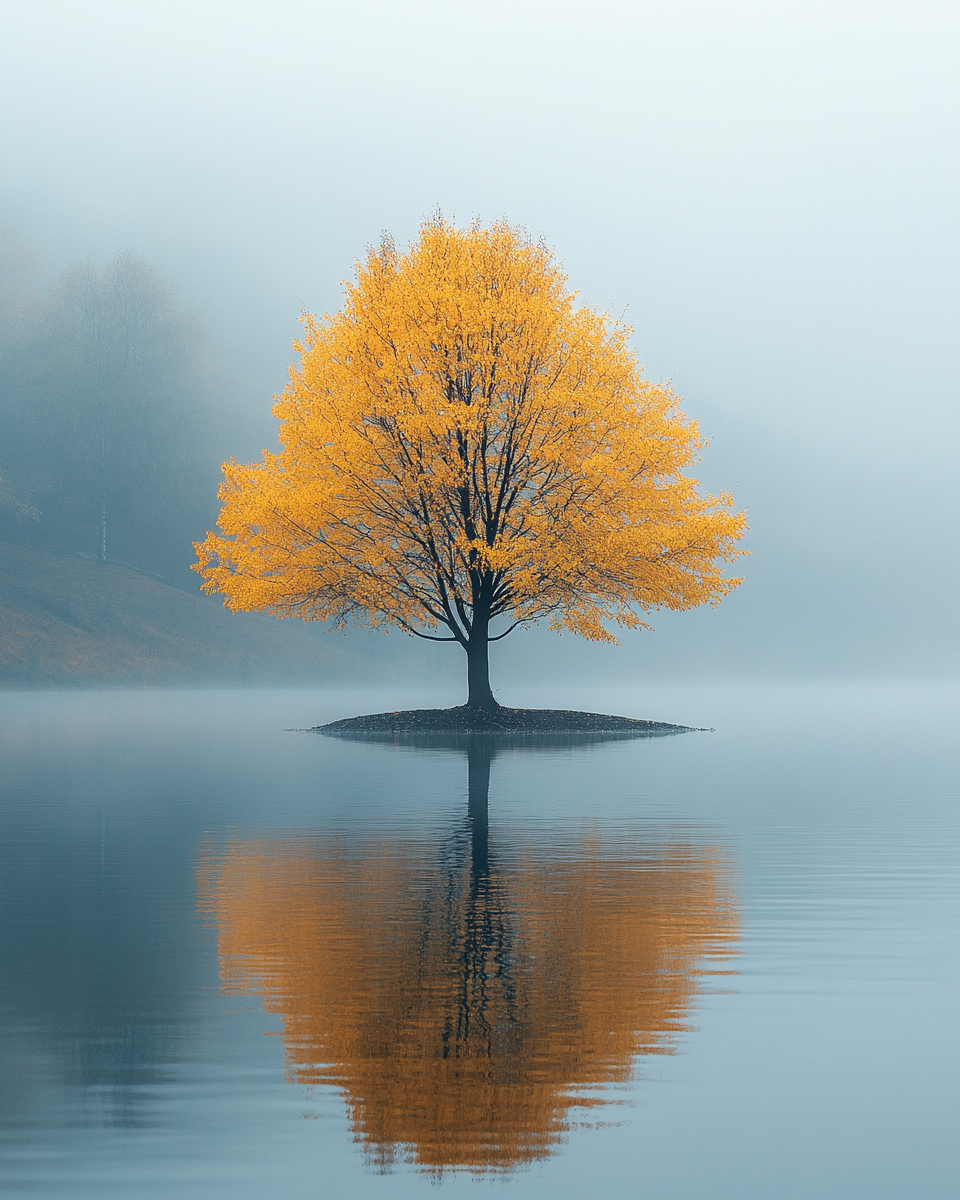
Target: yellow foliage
467,1016
464,442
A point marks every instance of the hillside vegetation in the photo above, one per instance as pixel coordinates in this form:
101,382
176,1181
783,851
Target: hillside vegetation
66,620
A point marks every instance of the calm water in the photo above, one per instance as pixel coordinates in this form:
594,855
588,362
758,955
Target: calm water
240,961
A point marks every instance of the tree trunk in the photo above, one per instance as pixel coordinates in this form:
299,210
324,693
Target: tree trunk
479,692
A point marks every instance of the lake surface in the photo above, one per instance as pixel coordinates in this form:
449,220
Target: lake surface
239,961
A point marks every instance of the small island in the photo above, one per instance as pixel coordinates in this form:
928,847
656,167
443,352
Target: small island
473,719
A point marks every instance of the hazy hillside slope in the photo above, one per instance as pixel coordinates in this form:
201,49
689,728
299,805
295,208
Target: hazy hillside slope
65,620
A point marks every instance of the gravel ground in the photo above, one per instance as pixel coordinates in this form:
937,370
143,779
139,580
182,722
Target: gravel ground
500,720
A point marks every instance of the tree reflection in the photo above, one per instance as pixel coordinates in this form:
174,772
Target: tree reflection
466,1000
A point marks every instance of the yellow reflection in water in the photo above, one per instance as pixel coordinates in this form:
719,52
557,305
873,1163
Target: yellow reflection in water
464,1005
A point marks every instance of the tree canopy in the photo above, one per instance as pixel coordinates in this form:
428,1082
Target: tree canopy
464,443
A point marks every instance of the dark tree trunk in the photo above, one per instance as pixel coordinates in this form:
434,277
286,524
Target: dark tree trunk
479,692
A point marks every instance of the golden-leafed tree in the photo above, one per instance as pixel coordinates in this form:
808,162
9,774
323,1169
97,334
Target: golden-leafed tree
465,1009
463,442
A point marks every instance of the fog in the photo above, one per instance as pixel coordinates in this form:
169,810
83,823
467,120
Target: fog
768,191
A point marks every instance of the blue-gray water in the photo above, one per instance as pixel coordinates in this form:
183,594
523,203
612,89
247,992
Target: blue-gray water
745,942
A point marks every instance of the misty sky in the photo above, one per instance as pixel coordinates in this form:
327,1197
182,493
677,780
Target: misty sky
768,189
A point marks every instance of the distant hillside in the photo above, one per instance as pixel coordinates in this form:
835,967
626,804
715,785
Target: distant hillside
67,621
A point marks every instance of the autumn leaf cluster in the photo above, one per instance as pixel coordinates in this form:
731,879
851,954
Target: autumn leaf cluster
464,434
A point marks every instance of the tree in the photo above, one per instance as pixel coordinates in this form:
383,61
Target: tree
104,405
463,444
18,298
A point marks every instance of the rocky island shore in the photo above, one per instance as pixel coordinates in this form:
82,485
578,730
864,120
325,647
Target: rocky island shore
471,719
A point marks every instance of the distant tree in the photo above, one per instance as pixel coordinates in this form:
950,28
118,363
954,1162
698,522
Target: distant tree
104,404
18,307
18,297
462,444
